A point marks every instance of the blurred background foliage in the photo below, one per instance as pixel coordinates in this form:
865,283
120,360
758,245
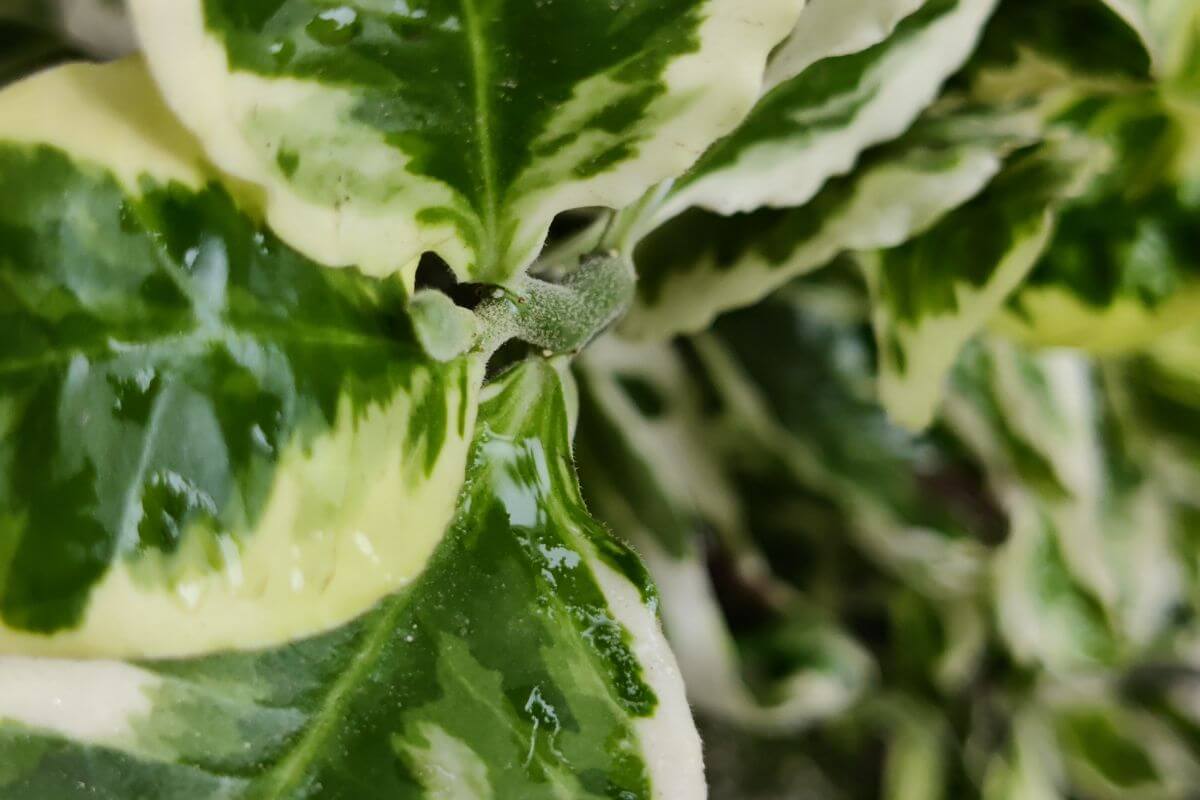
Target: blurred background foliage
1003,603
1003,606
93,27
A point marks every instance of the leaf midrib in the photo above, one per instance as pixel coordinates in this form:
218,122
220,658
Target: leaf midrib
481,70
292,769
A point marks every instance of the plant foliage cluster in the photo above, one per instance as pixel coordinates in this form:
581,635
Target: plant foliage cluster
445,398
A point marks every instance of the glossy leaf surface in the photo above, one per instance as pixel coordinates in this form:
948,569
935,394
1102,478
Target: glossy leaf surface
382,130
524,662
208,440
701,264
813,126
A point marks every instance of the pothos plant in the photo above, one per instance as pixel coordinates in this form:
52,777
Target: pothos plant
314,311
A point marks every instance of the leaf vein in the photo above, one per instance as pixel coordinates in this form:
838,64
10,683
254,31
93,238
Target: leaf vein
481,69
289,771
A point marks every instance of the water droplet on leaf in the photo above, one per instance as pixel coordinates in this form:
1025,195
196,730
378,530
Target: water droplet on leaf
335,27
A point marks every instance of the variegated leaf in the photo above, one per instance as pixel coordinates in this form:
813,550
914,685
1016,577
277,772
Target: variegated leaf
1033,52
525,662
652,473
701,264
1027,767
643,411
1117,276
1091,573
1158,397
1046,616
1123,266
1113,750
814,126
830,28
933,294
796,375
206,439
1170,31
380,130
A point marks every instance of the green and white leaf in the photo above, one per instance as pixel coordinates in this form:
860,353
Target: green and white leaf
1028,767
1158,397
796,377
525,662
1046,616
829,28
645,430
1114,751
378,131
1169,29
814,126
701,264
933,294
1091,573
1116,277
1122,268
206,439
1033,53
651,473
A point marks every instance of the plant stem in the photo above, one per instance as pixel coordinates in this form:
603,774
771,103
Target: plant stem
561,317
